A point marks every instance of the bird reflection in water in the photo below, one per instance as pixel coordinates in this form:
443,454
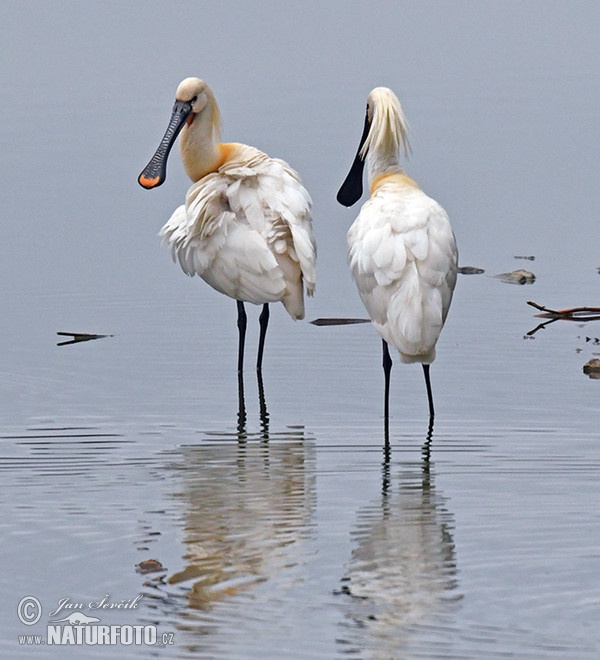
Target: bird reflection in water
402,571
248,508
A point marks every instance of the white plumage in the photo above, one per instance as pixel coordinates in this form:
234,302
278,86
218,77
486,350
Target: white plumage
402,256
402,250
245,227
246,230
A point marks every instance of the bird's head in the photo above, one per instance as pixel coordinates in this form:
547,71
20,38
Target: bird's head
388,129
385,130
201,100
193,100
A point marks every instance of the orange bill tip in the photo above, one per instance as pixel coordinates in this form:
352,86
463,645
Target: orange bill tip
147,182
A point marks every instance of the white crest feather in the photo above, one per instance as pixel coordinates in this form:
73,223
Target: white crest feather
389,128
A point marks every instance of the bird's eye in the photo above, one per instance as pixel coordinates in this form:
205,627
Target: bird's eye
192,101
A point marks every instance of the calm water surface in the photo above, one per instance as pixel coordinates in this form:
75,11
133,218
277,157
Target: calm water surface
283,528
293,533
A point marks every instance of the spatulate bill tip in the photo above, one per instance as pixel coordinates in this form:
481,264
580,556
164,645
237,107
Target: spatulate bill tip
149,182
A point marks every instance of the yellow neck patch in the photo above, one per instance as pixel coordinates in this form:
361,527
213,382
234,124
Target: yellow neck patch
226,152
396,177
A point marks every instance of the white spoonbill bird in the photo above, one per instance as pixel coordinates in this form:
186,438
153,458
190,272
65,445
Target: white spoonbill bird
245,227
402,250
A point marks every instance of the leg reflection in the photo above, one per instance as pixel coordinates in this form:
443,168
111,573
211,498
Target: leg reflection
385,467
264,413
426,448
241,417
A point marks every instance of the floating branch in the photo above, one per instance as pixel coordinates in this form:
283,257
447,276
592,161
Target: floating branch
339,321
76,337
571,314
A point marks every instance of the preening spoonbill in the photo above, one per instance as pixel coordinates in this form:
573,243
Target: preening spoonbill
245,227
402,250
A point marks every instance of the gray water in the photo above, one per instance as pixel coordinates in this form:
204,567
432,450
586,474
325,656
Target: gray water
289,531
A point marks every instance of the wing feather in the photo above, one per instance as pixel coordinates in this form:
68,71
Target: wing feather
247,230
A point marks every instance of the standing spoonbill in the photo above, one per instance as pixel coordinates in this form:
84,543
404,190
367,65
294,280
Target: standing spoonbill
245,227
402,250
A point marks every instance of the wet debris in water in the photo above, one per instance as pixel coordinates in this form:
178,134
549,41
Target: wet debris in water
152,566
338,321
516,277
592,368
593,341
531,258
149,566
469,270
76,337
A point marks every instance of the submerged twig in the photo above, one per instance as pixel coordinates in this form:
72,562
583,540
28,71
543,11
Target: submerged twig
469,270
338,321
77,337
539,327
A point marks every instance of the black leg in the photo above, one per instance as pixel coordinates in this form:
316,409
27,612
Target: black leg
429,394
263,320
242,321
387,369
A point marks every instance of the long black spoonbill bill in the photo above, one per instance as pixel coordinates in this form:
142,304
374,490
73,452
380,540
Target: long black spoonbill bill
245,227
402,250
